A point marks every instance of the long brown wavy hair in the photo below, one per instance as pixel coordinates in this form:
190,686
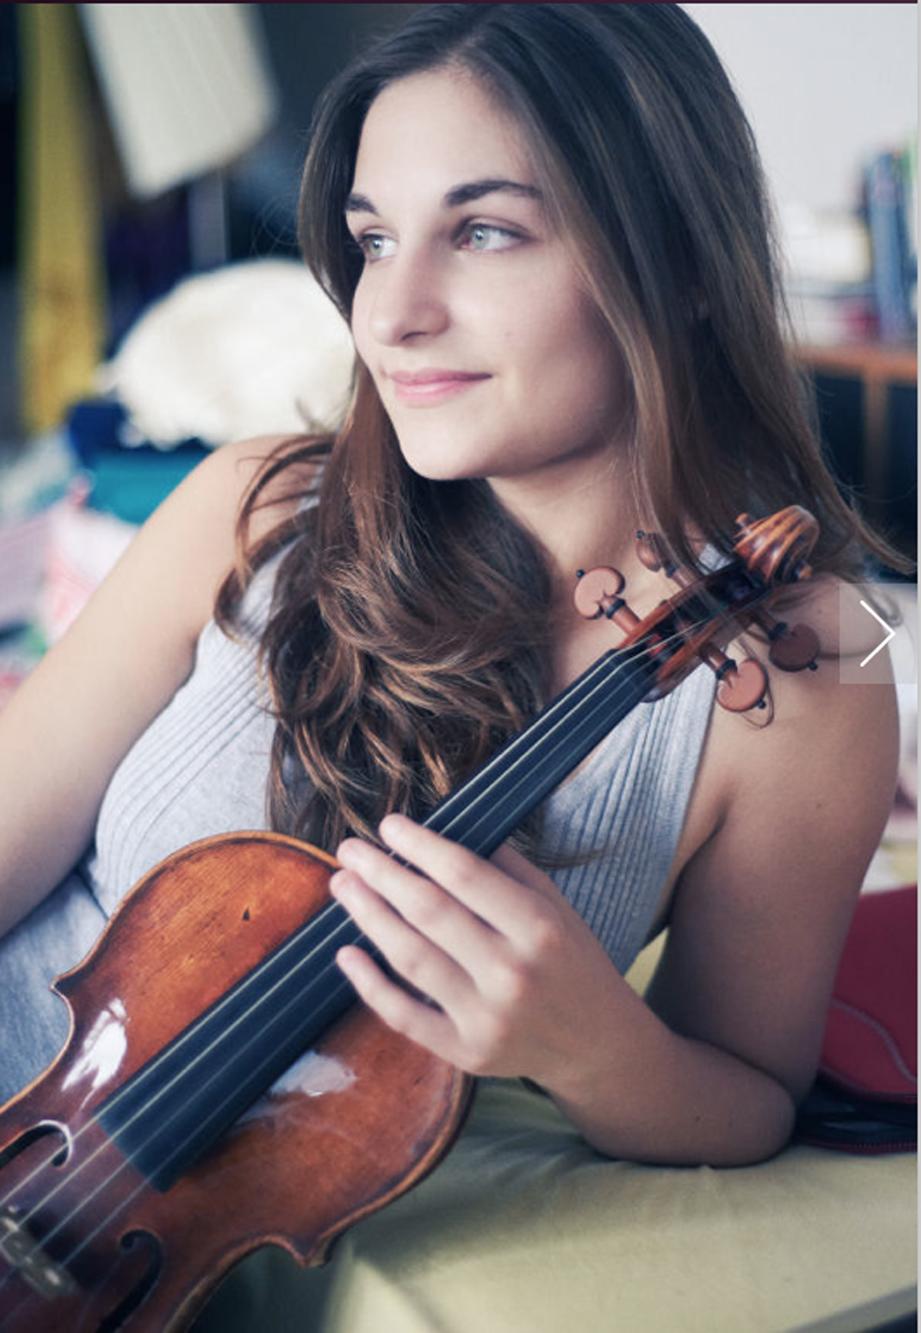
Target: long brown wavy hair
408,630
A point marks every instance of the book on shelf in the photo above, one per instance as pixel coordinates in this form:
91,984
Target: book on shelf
852,276
888,207
829,313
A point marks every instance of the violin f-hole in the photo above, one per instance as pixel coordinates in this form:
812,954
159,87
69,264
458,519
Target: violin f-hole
142,1285
43,1130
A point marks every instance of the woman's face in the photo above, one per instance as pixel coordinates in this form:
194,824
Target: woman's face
463,275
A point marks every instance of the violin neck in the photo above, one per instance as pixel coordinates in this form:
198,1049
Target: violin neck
484,810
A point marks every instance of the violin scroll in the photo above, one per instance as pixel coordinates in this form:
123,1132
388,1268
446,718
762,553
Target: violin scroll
775,548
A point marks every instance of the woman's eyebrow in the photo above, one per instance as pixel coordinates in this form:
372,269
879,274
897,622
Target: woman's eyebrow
457,195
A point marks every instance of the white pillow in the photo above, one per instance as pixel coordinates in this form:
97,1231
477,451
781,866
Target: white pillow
249,349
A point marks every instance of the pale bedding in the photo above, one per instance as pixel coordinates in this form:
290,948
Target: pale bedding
524,1229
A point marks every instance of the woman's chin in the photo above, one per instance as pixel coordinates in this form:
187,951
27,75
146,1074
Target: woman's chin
446,467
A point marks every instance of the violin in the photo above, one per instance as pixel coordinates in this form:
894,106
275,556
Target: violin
221,1087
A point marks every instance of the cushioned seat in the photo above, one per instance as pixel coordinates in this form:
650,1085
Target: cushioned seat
524,1229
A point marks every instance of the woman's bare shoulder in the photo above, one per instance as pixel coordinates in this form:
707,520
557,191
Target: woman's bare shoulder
246,457
201,514
841,613
235,468
825,722
761,910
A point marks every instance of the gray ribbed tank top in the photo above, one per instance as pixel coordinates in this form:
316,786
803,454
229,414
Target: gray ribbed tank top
201,768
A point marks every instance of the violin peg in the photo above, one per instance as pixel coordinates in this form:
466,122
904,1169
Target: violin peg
794,649
647,551
653,554
791,649
743,687
650,550
597,592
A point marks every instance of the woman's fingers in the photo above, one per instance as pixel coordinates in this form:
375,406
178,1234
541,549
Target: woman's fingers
481,887
426,966
501,957
426,906
525,871
396,1007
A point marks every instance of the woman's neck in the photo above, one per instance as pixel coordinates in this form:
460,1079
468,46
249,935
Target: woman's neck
581,513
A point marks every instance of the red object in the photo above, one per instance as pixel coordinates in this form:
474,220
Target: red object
865,1098
870,1044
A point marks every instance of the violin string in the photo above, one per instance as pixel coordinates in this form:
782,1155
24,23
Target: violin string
599,667
219,1037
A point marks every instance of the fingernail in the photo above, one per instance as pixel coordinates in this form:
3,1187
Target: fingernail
339,882
351,852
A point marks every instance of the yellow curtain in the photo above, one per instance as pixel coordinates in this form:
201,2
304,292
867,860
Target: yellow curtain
61,278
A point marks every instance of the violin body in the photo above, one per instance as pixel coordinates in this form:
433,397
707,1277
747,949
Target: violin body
358,1120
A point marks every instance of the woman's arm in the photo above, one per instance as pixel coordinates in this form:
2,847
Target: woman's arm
710,1068
731,1036
68,726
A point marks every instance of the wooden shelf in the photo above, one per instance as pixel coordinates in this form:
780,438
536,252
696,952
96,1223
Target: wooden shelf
893,363
877,366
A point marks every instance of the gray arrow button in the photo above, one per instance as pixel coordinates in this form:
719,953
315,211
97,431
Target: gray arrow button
890,632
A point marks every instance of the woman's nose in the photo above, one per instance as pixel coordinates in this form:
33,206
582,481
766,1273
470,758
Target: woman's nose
408,299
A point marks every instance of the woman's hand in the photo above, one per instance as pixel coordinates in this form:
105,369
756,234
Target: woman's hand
517,977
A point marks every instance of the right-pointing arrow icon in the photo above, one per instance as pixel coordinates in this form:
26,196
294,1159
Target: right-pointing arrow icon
890,633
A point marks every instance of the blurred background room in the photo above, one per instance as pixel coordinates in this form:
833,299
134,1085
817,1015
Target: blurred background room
152,306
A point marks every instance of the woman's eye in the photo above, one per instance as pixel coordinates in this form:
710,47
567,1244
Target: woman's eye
482,236
477,231
371,245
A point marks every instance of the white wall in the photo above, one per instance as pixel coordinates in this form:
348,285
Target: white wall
823,85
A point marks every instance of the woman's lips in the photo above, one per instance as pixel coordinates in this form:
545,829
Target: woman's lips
435,390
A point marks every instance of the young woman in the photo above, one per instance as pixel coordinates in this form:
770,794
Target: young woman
548,228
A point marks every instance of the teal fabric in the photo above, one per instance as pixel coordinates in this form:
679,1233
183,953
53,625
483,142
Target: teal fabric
131,483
